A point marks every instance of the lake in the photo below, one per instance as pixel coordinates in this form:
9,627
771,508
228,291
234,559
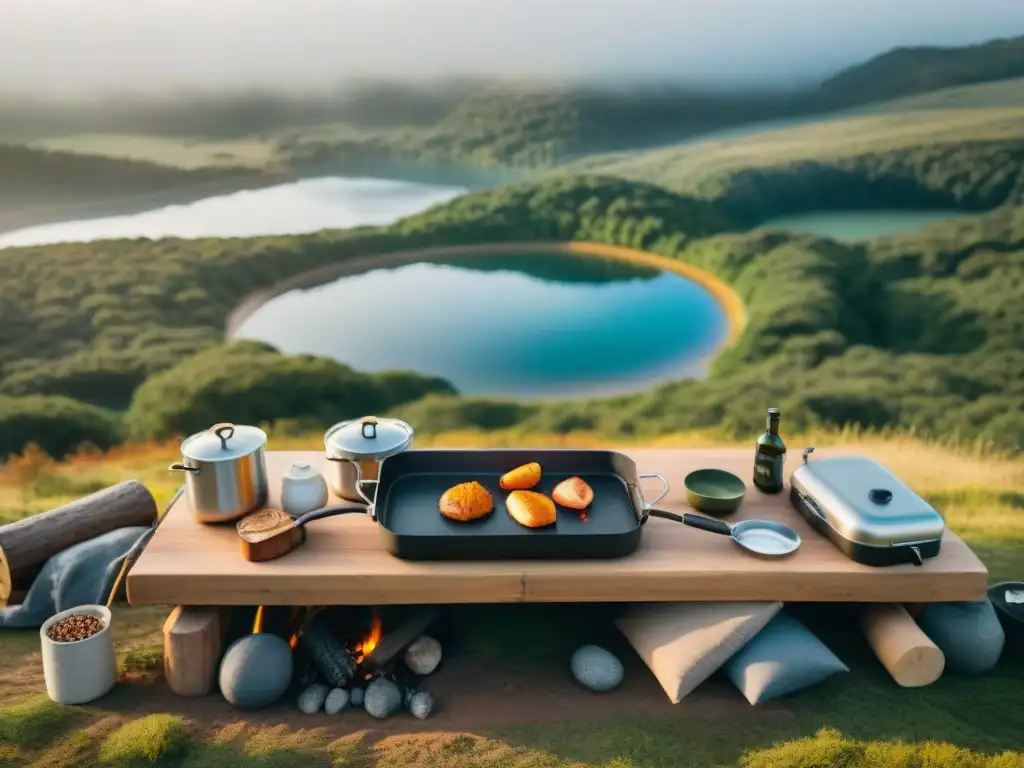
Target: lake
533,326
285,209
860,225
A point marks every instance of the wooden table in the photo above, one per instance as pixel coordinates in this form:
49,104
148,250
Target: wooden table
342,562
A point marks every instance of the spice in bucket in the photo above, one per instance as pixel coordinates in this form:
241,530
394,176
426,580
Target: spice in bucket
75,628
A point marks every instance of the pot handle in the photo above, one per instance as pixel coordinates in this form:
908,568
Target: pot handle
225,431
370,503
183,468
368,427
664,488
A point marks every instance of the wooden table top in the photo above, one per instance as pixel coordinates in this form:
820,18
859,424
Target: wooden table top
342,562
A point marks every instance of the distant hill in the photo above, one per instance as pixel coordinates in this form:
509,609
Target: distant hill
907,71
500,124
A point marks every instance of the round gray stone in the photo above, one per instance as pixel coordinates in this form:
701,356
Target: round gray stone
256,671
382,699
312,698
421,704
356,697
336,701
596,668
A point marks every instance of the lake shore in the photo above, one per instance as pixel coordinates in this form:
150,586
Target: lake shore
41,214
731,304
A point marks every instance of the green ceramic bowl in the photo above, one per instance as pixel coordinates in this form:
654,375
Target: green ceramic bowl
714,491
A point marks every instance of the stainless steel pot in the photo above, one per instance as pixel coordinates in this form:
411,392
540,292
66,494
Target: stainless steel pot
355,450
225,470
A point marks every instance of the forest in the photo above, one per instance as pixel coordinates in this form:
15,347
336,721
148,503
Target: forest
124,338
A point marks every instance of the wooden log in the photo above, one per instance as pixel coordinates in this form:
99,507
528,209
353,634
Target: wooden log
398,639
904,650
193,639
5,580
27,544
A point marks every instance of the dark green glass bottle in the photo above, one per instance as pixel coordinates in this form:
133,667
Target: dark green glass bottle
770,457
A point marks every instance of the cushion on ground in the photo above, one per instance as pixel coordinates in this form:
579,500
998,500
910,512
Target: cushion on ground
783,658
683,644
1008,599
968,634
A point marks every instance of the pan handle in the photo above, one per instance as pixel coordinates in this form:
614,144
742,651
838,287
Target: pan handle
339,509
665,515
664,488
707,524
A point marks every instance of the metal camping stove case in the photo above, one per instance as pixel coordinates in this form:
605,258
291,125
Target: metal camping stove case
866,511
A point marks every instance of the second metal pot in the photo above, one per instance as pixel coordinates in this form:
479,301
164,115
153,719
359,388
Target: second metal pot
226,472
355,450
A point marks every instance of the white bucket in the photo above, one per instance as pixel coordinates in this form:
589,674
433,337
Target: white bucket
83,670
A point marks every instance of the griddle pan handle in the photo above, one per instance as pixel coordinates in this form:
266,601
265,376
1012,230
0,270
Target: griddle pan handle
665,515
707,524
337,509
664,488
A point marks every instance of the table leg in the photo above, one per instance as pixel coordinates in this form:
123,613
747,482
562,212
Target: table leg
193,640
904,650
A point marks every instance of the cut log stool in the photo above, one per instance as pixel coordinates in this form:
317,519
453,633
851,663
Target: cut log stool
193,639
904,650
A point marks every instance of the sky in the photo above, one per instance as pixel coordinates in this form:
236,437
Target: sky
91,47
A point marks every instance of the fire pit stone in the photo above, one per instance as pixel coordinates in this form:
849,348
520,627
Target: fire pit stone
312,699
423,655
421,704
596,668
255,671
356,697
336,701
383,698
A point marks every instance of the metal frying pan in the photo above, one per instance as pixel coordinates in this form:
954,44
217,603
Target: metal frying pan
762,537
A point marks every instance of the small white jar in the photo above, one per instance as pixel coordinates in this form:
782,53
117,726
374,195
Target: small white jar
303,489
83,670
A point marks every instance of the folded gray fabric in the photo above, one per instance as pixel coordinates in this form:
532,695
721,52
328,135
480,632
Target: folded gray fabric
968,634
82,574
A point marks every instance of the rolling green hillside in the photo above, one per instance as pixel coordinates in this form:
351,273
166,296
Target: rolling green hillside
970,159
905,71
41,185
916,332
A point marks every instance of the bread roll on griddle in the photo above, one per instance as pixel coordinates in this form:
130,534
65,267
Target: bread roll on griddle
532,509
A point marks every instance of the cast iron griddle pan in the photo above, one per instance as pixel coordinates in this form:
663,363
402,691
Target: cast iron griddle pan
411,526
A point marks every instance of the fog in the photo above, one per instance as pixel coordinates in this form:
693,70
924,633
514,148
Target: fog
88,47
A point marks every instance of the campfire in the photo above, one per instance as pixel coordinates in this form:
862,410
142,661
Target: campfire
366,646
348,653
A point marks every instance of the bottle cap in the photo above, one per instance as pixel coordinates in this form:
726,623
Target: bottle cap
773,411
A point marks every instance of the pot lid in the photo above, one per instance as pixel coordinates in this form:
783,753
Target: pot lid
367,438
223,442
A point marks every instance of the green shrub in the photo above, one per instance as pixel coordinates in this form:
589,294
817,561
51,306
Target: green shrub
58,425
251,383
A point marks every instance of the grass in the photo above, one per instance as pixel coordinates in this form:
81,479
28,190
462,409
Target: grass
628,742
692,167
150,739
184,153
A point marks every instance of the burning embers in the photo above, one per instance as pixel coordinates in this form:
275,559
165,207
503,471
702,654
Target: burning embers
343,657
367,645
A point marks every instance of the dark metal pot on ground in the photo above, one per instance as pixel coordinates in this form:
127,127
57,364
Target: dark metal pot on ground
225,470
355,450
